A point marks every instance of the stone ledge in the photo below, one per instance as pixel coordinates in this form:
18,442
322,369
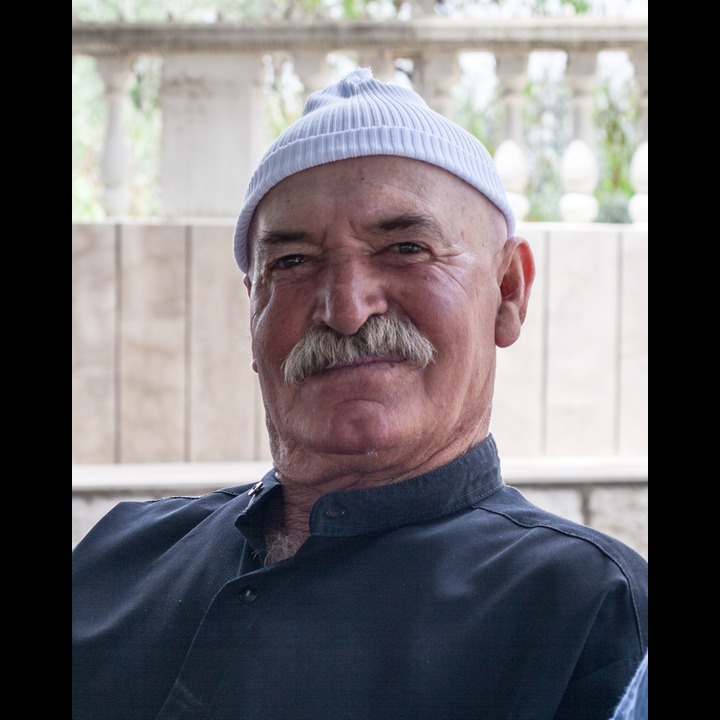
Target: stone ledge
588,33
208,476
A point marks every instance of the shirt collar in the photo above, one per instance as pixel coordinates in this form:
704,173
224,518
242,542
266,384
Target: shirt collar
460,484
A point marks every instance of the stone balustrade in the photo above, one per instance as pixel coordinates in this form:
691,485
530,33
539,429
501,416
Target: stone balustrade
213,95
610,494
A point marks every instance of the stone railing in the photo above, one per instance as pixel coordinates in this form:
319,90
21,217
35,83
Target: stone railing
610,494
213,98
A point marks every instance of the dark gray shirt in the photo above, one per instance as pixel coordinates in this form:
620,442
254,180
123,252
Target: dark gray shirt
443,597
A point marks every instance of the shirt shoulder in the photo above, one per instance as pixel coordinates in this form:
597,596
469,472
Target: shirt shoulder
165,520
557,542
522,513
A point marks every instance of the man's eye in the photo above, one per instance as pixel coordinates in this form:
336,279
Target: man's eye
290,261
408,248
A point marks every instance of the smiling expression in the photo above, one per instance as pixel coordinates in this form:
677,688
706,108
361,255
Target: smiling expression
332,246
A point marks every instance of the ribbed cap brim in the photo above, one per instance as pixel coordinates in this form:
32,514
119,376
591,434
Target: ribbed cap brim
361,116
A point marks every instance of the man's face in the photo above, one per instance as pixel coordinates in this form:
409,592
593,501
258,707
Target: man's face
336,244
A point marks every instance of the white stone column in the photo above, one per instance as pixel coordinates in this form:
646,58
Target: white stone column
215,130
422,8
579,168
510,156
312,69
435,74
382,63
116,161
638,205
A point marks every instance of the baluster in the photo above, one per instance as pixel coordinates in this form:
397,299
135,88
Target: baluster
638,205
510,156
115,71
312,69
382,63
579,168
422,8
434,77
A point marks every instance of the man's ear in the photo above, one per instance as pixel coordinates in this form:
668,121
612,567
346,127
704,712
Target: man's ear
247,282
517,274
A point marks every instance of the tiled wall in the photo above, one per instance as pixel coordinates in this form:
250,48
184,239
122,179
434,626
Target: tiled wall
161,359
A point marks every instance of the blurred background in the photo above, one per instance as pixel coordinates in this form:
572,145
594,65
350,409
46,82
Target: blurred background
173,104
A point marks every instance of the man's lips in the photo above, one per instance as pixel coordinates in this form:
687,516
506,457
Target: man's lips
365,363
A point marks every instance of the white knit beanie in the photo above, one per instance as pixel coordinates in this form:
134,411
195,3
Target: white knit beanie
360,116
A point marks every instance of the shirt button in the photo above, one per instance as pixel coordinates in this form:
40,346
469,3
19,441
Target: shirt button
256,488
248,593
335,513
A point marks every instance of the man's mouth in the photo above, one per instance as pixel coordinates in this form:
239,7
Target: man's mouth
364,362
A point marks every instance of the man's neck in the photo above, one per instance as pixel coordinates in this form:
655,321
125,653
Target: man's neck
288,520
287,523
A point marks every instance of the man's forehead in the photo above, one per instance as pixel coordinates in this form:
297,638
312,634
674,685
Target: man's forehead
374,165
390,178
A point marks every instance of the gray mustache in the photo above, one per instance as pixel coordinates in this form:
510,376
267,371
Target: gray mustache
381,335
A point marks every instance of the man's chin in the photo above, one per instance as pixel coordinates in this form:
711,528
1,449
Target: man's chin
358,432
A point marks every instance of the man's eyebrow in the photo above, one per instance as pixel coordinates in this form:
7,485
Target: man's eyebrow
268,238
407,221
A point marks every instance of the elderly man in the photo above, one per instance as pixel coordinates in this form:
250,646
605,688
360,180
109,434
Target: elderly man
382,569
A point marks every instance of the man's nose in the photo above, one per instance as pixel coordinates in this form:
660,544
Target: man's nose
350,290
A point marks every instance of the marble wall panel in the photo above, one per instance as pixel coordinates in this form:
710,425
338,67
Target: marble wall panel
633,391
153,344
223,386
582,341
161,350
94,338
